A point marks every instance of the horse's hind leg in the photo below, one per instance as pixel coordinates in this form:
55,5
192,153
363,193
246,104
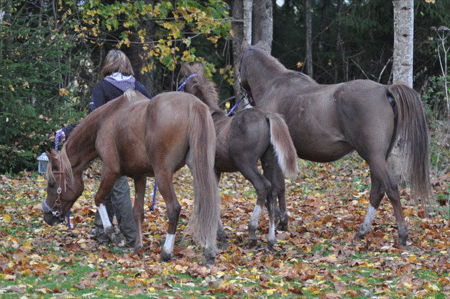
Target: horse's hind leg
262,186
138,211
276,178
381,183
164,181
273,172
376,195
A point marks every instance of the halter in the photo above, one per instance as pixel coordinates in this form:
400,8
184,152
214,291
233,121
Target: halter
56,210
57,203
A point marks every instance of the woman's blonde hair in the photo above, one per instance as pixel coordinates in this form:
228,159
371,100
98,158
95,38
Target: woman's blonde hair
117,62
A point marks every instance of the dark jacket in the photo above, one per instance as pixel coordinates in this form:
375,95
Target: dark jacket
104,92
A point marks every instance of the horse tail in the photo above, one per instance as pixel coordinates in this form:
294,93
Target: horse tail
202,148
282,144
412,130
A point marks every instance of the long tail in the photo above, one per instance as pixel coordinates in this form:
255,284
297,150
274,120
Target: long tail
413,130
202,144
283,145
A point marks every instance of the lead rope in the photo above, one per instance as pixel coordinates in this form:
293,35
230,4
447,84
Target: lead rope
57,139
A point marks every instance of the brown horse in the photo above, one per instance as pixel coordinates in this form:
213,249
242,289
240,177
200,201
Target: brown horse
244,139
327,122
138,137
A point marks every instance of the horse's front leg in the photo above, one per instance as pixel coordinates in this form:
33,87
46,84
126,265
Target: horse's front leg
221,233
106,185
173,212
138,211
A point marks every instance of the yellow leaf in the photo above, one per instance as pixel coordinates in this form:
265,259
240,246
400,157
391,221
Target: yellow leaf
6,218
412,259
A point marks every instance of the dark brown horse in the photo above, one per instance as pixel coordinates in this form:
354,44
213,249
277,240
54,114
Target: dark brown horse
244,139
138,137
327,122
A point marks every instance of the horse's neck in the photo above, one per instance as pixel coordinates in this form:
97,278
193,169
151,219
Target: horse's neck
80,147
265,69
211,100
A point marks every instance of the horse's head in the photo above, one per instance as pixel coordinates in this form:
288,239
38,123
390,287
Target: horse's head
245,47
196,83
62,191
190,78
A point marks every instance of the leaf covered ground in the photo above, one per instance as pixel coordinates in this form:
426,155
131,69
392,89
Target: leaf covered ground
316,258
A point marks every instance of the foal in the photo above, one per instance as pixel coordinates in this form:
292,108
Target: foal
242,140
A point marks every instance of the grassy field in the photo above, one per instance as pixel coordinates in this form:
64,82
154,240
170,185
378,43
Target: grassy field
316,258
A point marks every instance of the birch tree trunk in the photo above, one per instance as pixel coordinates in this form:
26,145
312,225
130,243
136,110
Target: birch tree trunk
402,71
309,65
237,13
403,41
248,20
253,21
263,22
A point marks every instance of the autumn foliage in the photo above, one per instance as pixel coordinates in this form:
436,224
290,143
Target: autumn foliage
317,257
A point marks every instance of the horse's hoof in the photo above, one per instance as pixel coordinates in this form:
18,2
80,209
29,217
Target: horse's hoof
166,256
358,236
224,245
210,257
109,231
139,251
403,244
118,240
282,227
271,243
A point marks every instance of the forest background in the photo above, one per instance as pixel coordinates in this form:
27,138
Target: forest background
52,53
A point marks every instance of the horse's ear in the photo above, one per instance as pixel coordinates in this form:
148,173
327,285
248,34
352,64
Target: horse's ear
262,44
245,45
51,156
201,67
185,69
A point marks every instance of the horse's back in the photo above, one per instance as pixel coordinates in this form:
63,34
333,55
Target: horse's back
326,121
157,130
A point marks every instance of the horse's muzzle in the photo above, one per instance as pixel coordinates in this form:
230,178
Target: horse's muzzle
51,217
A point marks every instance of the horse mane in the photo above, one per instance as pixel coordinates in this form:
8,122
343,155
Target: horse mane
276,66
65,163
207,88
129,95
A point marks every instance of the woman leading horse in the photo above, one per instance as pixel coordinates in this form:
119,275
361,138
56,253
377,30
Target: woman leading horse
140,137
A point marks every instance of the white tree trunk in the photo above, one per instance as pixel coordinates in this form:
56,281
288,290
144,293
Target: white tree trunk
237,12
403,41
248,7
263,22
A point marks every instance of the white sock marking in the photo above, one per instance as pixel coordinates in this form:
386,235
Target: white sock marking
169,243
104,216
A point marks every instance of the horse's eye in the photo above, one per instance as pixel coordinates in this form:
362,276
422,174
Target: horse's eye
51,184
